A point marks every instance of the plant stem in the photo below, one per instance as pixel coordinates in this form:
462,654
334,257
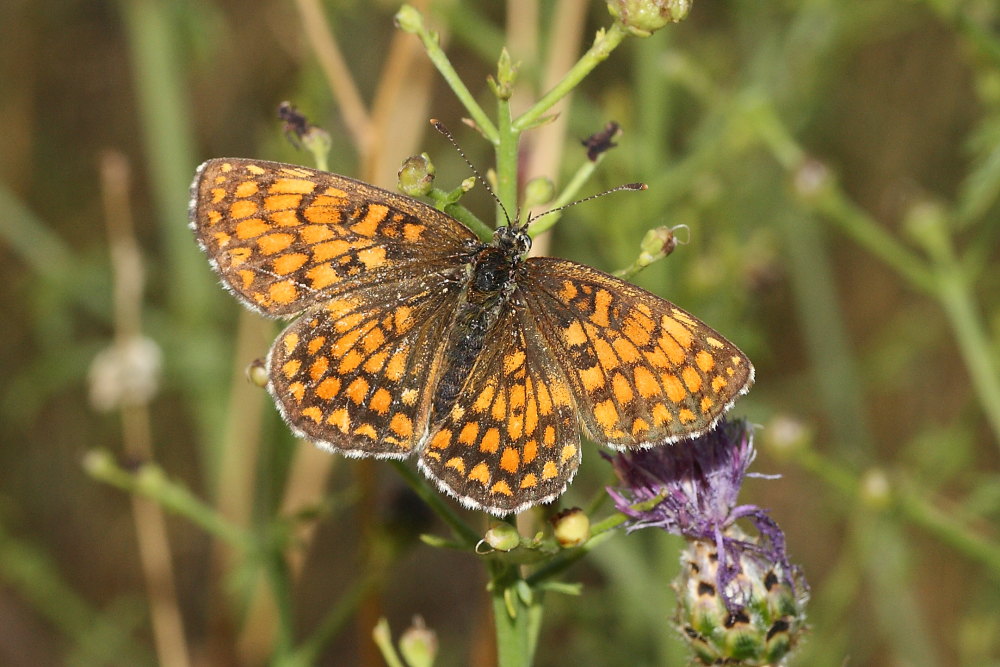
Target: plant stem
438,505
953,292
512,617
832,201
507,160
913,503
605,42
444,66
150,481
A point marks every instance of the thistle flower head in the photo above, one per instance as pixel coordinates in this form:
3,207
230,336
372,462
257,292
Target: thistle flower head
739,598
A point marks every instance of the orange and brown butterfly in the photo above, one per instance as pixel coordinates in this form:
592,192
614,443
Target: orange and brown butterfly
414,337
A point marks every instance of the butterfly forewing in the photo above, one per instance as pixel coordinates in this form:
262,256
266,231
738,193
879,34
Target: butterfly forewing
283,237
643,371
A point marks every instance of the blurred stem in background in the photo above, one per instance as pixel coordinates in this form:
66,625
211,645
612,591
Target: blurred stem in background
133,405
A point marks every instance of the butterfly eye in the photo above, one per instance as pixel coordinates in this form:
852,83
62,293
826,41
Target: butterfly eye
524,242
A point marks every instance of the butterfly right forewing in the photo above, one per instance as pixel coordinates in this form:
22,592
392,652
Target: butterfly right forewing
283,237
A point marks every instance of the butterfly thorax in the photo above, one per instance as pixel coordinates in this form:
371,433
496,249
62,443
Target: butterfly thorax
491,282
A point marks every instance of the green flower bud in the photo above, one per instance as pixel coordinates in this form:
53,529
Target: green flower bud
875,488
503,86
571,528
786,436
416,176
418,644
811,180
257,373
318,142
927,224
502,537
538,191
409,19
644,17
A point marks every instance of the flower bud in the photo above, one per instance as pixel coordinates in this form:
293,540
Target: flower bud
503,86
571,528
409,19
538,191
126,373
811,179
875,489
257,373
644,17
502,536
416,176
762,630
418,644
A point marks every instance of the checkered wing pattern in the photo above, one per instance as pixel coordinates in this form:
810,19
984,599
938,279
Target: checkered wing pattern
284,238
356,374
511,440
643,372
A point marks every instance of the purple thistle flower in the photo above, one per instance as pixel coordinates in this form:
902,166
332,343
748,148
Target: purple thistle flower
699,481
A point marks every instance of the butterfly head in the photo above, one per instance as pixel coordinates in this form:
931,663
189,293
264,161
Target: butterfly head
512,240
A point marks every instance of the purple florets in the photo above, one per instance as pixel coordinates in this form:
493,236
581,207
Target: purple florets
699,481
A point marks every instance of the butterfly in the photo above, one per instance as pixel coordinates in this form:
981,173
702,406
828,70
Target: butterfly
413,337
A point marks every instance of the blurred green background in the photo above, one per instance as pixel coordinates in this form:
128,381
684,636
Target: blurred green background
837,166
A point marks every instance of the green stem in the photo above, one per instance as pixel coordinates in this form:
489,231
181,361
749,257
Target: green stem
438,505
605,42
383,639
150,482
470,220
832,201
915,506
308,652
512,617
276,568
600,532
437,56
507,162
866,232
956,299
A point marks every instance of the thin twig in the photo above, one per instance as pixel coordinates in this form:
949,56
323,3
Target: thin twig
338,75
150,526
547,144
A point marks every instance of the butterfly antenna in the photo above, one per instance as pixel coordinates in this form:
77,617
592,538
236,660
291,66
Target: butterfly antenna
624,186
440,127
